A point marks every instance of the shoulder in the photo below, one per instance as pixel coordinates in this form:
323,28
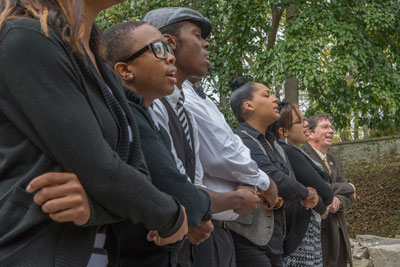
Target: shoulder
23,23
293,152
23,42
24,29
241,132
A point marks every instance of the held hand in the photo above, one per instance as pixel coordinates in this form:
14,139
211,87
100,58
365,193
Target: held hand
177,236
62,196
335,205
248,200
312,199
355,193
196,235
269,196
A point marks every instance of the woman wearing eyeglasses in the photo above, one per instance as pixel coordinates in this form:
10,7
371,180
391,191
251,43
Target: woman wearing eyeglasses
63,109
146,65
302,246
255,108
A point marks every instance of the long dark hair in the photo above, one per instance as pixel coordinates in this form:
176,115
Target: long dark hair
63,16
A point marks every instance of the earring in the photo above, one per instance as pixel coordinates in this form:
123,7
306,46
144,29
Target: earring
286,140
130,76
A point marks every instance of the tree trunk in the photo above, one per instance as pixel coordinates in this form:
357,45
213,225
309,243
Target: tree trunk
292,90
276,18
292,83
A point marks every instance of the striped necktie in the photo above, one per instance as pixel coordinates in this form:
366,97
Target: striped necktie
327,165
180,110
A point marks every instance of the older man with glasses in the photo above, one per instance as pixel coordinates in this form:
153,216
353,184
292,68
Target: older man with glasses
335,237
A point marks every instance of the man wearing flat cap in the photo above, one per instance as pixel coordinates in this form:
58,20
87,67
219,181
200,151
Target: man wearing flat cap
222,162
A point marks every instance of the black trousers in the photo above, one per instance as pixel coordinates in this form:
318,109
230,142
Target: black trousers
186,255
249,254
217,251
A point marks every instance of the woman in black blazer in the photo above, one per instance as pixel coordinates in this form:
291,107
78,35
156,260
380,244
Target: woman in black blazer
302,245
256,108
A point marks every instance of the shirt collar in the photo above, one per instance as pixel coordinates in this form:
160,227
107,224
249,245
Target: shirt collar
153,117
187,83
320,154
174,97
250,130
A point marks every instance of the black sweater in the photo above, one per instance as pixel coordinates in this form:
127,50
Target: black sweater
156,145
309,174
57,114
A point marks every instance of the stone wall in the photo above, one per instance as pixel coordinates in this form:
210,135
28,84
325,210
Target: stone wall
367,150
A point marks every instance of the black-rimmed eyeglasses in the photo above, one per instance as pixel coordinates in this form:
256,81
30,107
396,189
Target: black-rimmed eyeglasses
160,50
298,121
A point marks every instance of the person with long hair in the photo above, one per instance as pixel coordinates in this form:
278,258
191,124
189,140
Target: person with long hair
63,110
302,246
256,109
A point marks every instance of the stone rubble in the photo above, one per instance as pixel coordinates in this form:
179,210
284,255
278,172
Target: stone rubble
375,251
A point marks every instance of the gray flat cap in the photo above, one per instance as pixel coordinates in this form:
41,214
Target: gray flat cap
166,16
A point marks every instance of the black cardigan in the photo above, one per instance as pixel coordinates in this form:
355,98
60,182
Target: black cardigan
57,114
309,174
156,145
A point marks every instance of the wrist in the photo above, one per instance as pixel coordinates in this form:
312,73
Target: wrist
237,199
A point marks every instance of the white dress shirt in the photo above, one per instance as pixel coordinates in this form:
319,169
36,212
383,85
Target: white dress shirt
319,153
225,159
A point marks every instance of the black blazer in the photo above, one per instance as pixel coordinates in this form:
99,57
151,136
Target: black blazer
279,170
309,174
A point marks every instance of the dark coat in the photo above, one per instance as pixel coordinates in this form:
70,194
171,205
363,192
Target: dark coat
330,226
310,174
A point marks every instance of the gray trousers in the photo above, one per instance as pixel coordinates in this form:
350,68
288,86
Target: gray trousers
217,251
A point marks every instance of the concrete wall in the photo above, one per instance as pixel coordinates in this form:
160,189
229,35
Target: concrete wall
367,150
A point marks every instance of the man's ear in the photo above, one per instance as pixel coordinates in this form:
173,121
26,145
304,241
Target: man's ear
124,71
172,40
311,135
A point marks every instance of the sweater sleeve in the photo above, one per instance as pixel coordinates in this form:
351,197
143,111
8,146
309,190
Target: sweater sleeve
307,175
165,175
39,82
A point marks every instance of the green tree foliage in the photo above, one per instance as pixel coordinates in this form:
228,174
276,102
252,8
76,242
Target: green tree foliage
345,54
